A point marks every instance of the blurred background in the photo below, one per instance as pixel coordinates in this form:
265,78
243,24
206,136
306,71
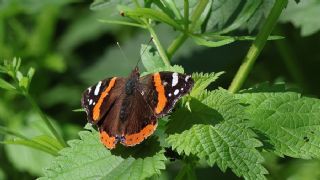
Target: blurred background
71,50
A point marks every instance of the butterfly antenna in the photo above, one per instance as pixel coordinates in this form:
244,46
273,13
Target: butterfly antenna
118,44
144,50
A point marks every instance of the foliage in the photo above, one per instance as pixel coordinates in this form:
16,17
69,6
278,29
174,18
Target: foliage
210,130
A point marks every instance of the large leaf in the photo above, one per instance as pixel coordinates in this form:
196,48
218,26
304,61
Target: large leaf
216,132
304,15
288,122
87,158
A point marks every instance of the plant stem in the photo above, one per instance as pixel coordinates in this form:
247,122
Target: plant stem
197,13
159,47
257,46
186,15
176,43
46,120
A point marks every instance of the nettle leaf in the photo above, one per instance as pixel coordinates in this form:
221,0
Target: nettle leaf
288,122
202,81
87,158
217,132
304,14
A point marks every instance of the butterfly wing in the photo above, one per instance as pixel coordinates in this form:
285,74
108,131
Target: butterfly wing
98,99
163,89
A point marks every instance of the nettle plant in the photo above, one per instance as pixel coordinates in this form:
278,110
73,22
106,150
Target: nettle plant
227,128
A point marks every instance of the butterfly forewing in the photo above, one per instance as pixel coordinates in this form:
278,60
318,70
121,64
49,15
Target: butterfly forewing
99,98
166,89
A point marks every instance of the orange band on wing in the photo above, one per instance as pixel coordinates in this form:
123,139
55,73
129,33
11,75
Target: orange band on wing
107,140
162,100
133,139
96,109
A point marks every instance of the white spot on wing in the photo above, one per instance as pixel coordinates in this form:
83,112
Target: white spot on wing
174,79
90,102
89,89
176,92
187,78
94,103
96,91
181,89
169,94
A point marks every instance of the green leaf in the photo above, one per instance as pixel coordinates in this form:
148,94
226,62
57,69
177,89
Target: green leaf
204,42
152,14
5,85
24,82
246,12
288,122
217,132
87,158
43,143
202,81
303,15
150,58
102,4
260,15
175,68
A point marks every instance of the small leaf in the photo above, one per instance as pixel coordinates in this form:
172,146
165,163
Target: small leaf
5,85
24,82
30,73
202,81
87,158
152,14
150,58
175,68
19,75
204,42
79,110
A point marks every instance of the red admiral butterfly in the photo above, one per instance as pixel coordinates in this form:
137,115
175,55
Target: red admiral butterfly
126,109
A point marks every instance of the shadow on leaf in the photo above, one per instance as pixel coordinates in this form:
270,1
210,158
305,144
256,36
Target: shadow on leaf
184,119
148,148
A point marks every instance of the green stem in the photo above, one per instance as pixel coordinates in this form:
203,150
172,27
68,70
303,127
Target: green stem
186,15
158,45
197,13
176,43
257,46
46,120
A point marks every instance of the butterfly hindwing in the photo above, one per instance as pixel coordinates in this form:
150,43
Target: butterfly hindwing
129,122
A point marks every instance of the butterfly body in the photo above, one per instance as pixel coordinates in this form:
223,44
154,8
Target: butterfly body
126,109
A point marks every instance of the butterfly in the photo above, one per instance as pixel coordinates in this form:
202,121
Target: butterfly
126,110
